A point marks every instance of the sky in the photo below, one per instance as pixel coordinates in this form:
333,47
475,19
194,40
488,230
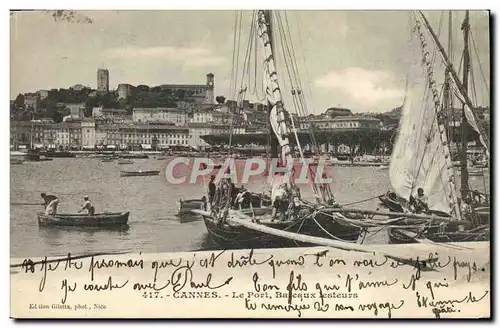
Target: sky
352,59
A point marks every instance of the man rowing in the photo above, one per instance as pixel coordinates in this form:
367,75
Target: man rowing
87,205
50,203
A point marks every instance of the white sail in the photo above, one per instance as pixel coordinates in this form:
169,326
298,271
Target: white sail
418,159
421,158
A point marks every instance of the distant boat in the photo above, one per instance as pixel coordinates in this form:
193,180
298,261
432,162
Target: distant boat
107,160
60,154
34,156
134,156
384,167
84,220
14,161
138,173
125,161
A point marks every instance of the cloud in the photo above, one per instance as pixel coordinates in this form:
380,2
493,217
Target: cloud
189,57
364,86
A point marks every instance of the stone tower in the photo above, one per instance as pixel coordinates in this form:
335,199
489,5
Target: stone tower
209,97
102,80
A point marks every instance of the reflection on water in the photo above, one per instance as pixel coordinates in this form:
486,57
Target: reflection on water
153,225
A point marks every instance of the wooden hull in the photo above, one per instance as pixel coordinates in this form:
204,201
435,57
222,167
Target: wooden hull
138,173
14,161
401,236
60,155
143,156
236,236
391,204
84,220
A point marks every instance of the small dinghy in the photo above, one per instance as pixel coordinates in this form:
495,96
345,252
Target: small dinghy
138,173
84,220
125,161
105,160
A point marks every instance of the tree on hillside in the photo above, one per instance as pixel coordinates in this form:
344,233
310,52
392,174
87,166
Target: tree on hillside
19,101
220,99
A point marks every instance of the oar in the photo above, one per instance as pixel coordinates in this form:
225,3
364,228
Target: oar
39,204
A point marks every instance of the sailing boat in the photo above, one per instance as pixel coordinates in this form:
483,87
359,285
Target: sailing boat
421,156
232,223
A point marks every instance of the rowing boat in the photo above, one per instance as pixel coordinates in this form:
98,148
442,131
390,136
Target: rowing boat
84,220
138,173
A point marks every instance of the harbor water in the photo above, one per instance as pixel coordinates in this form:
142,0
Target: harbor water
151,201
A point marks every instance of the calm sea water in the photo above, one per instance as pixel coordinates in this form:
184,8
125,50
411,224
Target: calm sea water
154,227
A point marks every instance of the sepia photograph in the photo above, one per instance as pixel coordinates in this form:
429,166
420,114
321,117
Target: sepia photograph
250,164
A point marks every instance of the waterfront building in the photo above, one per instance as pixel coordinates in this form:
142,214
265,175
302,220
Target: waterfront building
88,133
213,116
102,80
154,136
160,115
341,122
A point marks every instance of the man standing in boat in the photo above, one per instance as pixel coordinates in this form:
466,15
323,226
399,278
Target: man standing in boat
87,205
50,203
211,189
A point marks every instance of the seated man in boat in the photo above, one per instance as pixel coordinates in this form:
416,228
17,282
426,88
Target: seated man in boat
50,203
87,205
280,201
421,205
243,199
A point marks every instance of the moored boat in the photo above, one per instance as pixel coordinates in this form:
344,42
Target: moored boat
14,161
138,173
125,161
60,154
111,219
230,235
132,156
422,173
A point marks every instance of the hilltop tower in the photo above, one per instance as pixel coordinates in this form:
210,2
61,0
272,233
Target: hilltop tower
102,80
209,97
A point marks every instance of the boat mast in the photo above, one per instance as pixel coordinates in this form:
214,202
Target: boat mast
447,99
456,79
272,140
464,174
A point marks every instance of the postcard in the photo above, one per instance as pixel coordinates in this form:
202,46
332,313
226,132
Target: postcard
250,164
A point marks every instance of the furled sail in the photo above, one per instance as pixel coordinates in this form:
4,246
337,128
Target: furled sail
420,157
273,92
